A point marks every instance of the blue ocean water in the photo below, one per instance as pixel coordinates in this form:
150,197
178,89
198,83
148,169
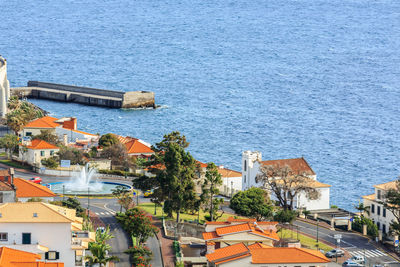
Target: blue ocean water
289,78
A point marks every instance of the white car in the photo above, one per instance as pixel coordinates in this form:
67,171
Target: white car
350,263
358,259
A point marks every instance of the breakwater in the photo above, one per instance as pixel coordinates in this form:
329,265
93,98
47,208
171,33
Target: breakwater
86,95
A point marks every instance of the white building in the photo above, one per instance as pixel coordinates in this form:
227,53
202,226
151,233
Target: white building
34,152
53,232
377,212
252,161
4,87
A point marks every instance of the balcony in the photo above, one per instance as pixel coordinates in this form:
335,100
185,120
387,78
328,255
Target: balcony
78,244
84,236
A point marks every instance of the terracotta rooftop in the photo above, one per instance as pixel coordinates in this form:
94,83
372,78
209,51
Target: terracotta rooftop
238,228
229,173
209,235
228,253
17,258
369,197
29,189
245,227
258,245
297,165
81,132
286,255
124,140
44,122
40,144
232,219
137,147
387,186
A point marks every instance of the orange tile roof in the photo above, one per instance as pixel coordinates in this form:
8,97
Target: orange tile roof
297,165
209,235
5,186
228,252
286,255
44,122
29,189
123,139
40,144
387,186
17,258
269,234
369,197
202,165
258,245
77,131
245,227
137,147
229,173
218,223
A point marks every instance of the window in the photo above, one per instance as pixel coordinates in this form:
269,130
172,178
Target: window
1,197
3,236
379,225
372,208
378,194
383,228
52,255
378,210
26,238
245,179
42,153
28,134
51,152
384,212
245,165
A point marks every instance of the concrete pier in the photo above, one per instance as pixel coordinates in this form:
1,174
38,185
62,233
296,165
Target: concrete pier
86,95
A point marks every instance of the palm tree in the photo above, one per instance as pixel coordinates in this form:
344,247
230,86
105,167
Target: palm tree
99,255
102,237
362,209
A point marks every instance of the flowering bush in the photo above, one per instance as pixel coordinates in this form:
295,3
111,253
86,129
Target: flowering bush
140,256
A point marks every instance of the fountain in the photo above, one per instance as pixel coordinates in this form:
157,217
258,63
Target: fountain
82,184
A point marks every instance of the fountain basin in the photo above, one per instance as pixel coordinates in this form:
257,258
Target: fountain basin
95,188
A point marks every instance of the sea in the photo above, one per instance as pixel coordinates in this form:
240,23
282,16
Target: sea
290,78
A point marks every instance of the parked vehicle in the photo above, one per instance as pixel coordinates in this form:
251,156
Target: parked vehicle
350,263
148,193
358,259
36,180
334,253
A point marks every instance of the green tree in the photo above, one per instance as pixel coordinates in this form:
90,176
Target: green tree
136,223
210,189
20,113
103,236
51,163
99,253
9,142
119,192
72,154
107,140
392,203
285,216
252,202
48,136
140,255
358,222
118,155
362,209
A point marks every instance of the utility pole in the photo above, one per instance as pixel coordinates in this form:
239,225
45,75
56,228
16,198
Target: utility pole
88,200
63,191
317,233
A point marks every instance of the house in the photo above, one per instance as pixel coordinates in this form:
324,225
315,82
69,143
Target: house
377,212
231,180
35,151
64,128
252,161
138,148
246,232
26,190
257,254
53,232
18,258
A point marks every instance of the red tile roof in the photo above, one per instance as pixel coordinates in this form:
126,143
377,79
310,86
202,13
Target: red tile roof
232,219
40,144
17,258
229,173
125,140
28,189
137,147
258,245
228,253
210,235
238,228
44,122
297,165
245,227
286,255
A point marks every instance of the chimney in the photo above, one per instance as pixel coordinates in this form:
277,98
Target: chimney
12,172
65,139
221,166
70,123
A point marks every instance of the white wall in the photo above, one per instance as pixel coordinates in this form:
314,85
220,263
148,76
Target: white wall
55,236
318,204
72,135
4,87
45,199
246,261
33,156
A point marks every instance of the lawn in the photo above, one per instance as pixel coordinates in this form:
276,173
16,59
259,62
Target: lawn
304,240
149,207
14,164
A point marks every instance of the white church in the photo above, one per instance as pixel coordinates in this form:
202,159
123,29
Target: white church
251,162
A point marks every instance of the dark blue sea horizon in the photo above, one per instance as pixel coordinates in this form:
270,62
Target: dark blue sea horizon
289,78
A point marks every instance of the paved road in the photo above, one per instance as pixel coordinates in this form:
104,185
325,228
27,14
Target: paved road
355,244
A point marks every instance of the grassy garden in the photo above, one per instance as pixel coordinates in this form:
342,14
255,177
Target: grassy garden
304,240
14,164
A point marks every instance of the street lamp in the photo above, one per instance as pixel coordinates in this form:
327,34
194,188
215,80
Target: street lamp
317,232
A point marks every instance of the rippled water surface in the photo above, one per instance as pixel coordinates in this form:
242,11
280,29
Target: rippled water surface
289,78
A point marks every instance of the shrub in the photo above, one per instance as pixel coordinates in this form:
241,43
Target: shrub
284,216
118,172
358,222
50,163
